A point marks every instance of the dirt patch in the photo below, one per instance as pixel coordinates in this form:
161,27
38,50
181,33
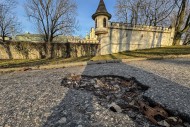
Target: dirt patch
125,96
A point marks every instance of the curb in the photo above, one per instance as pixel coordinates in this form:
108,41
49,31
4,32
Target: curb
133,59
156,58
104,62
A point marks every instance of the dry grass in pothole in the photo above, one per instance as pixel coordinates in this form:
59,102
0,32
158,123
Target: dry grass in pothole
123,96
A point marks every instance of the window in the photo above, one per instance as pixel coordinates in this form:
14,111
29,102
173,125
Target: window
96,23
104,22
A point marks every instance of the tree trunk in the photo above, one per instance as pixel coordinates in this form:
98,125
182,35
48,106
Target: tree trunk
6,45
3,38
52,51
68,50
181,25
8,50
52,55
177,38
47,50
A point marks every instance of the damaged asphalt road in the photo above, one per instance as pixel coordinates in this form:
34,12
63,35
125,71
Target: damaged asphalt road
36,97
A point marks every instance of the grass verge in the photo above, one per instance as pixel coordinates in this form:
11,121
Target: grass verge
147,53
39,62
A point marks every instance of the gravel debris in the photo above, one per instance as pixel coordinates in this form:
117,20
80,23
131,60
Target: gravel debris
123,96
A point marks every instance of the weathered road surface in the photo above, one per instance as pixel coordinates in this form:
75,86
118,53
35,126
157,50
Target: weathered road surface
36,98
176,70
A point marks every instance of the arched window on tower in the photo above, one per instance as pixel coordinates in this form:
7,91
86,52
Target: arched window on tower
104,22
96,23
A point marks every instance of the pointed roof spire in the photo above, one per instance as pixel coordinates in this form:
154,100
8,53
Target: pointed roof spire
101,10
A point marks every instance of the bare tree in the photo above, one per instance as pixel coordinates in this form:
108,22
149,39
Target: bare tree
187,38
128,10
1,9
122,10
8,22
148,12
52,18
182,22
160,10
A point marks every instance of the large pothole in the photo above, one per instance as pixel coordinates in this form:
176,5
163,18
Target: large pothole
125,96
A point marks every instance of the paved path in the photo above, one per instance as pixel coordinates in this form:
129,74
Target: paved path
176,70
35,98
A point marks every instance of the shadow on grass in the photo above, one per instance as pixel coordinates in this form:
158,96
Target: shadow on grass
182,50
147,53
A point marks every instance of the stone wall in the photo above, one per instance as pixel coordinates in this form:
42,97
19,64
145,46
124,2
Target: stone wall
26,50
59,39
123,37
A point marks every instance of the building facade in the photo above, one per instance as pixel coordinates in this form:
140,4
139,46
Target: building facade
116,37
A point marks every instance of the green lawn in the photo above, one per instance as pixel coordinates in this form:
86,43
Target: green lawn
147,53
39,62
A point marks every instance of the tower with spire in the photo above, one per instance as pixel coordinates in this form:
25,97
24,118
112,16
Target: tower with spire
101,17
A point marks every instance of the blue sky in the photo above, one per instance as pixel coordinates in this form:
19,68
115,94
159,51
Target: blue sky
85,10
